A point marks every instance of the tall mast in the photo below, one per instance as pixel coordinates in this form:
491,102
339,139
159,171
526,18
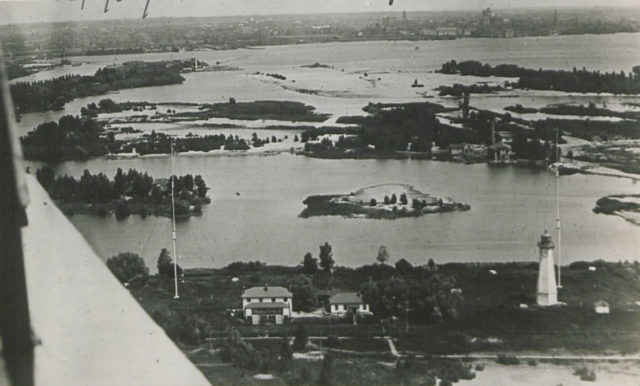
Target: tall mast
558,208
173,230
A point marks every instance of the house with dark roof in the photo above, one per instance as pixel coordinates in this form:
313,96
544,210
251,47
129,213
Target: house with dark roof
343,302
267,304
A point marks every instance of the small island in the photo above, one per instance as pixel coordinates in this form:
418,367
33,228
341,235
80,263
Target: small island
127,193
54,93
626,206
386,201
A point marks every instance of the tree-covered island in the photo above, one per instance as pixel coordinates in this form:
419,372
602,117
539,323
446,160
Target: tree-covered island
86,136
54,93
582,80
388,201
266,109
127,193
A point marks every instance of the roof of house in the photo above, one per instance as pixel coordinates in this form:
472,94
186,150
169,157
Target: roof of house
601,303
266,292
346,298
267,305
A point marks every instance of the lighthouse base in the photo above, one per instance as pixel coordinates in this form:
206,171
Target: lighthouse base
547,299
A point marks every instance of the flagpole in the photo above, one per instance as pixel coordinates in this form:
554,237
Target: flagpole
173,230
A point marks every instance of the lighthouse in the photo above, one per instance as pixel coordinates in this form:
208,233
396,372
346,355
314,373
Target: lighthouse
547,292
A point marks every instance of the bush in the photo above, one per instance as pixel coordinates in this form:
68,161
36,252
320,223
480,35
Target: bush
102,211
480,367
326,373
240,266
190,329
127,267
122,210
585,374
239,352
507,359
300,338
333,341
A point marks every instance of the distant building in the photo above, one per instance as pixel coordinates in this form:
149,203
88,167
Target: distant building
447,31
499,152
457,149
428,32
267,304
344,302
321,29
487,17
601,307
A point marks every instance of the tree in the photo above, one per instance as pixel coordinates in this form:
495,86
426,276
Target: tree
300,338
119,184
122,210
383,254
286,352
304,293
403,267
432,265
403,199
127,267
394,199
201,186
326,257
309,264
373,202
46,177
165,264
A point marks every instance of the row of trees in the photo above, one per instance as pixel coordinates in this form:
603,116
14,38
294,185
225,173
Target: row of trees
560,80
128,267
140,187
398,127
52,94
420,291
70,138
310,264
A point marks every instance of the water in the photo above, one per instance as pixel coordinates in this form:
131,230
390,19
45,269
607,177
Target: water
256,199
344,88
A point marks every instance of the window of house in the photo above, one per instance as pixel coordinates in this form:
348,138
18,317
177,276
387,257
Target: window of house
273,300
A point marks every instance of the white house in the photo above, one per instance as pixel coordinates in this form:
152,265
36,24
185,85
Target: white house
343,302
601,307
269,304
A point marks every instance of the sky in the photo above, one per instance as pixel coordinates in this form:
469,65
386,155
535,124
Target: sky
27,11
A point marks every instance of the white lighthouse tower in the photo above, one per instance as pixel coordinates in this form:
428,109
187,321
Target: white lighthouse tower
547,294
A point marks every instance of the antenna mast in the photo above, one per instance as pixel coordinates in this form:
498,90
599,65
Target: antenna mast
173,230
558,208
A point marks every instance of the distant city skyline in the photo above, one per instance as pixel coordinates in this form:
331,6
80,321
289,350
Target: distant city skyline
35,11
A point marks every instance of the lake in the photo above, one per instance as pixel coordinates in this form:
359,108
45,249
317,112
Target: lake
256,201
391,68
257,198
